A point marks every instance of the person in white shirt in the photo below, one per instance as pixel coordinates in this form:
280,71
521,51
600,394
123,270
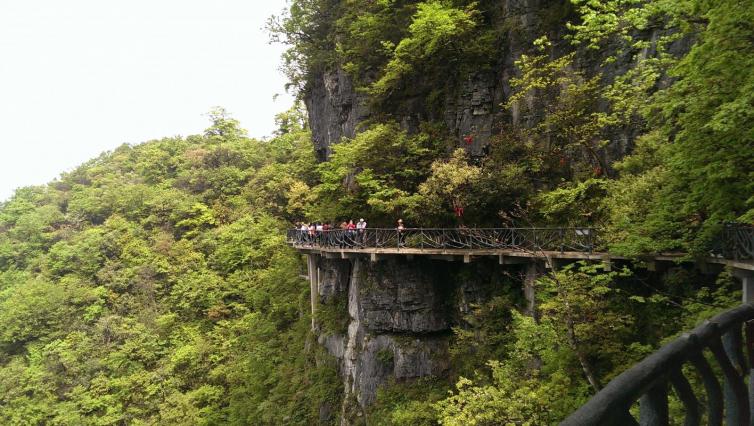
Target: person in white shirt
362,226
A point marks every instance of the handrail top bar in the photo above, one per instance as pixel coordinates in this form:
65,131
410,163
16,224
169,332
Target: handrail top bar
459,229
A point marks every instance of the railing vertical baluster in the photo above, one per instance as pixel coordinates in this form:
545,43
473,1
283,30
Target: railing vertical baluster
736,399
749,340
653,405
711,387
686,395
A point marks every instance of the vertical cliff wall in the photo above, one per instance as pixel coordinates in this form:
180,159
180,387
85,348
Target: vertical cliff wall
399,315
472,107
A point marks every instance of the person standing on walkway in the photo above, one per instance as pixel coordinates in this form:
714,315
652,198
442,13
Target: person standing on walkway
351,233
319,228
361,227
312,233
343,233
401,236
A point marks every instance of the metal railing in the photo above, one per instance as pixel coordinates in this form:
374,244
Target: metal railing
736,241
549,239
720,340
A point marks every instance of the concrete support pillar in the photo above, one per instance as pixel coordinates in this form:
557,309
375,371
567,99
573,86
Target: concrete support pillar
747,283
534,270
312,261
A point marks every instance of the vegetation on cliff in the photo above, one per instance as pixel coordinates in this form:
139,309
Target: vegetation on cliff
672,74
152,285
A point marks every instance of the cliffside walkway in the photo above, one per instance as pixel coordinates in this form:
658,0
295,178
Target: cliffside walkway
735,246
717,357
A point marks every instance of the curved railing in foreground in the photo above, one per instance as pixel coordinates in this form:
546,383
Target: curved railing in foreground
549,239
721,340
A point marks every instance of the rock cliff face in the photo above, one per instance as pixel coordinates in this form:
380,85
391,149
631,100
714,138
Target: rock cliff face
400,315
400,312
335,110
473,110
399,324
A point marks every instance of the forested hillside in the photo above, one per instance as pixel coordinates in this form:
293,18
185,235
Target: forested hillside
153,285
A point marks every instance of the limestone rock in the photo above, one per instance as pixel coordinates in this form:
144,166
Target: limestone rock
398,296
334,277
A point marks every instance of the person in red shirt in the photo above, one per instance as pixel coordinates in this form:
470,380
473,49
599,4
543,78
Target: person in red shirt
351,232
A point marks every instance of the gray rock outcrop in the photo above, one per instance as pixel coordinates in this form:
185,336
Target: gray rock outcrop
398,330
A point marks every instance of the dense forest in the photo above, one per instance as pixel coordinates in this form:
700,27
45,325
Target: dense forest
153,285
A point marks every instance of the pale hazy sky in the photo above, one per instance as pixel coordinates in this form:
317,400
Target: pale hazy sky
79,77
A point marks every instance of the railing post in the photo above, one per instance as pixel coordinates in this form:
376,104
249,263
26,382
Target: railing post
736,400
749,341
686,394
653,405
534,234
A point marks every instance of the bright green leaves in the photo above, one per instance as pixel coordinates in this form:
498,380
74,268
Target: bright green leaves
126,287
701,131
199,217
605,20
528,387
372,30
83,255
224,128
440,37
452,183
38,309
379,168
574,204
573,129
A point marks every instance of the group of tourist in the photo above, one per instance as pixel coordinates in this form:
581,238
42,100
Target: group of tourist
317,232
354,233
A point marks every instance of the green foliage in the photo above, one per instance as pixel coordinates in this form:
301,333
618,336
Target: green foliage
694,167
379,169
333,317
572,129
142,288
450,184
307,27
437,32
574,204
577,303
529,387
151,285
372,29
409,403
